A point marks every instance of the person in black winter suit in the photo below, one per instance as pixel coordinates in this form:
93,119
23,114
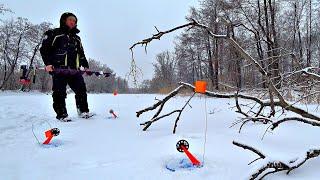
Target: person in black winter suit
62,49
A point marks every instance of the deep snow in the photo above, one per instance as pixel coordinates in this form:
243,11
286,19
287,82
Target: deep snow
104,148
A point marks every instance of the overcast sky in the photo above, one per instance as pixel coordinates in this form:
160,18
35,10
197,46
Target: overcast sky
109,27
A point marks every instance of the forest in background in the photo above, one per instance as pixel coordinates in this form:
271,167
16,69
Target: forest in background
282,34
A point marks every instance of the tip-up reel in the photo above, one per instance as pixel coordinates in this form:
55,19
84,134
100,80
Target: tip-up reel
43,132
50,134
183,146
182,143
191,163
113,113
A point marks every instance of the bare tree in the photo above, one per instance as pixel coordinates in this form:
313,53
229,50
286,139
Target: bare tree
14,47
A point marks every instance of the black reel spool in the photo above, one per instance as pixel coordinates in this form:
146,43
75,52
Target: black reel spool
55,131
184,143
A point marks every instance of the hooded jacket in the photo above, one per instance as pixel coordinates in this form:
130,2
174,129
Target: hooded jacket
62,47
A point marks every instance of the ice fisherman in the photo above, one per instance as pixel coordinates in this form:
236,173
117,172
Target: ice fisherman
62,49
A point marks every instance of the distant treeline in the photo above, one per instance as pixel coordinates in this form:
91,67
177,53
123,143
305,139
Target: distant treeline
283,35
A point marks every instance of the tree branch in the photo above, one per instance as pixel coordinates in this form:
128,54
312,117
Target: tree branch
277,166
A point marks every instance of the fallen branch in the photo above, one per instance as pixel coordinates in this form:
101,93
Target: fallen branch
262,120
258,117
303,120
156,117
161,102
185,86
271,167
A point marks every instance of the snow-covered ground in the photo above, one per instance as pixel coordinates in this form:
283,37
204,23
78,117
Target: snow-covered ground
104,148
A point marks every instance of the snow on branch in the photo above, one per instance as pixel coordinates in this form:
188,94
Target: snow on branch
308,71
286,119
274,124
275,166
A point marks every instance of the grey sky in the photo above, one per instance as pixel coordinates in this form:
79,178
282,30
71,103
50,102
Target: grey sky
108,28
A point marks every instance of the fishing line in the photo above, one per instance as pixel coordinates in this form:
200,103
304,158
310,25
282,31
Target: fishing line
206,129
34,134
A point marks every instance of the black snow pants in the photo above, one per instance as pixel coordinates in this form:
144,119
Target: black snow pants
59,88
